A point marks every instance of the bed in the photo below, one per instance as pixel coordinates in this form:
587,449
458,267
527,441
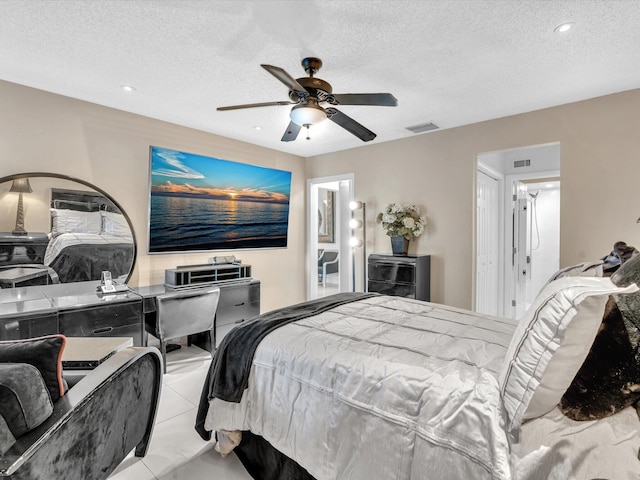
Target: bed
368,386
88,235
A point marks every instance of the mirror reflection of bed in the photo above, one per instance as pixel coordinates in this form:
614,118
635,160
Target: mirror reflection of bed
72,233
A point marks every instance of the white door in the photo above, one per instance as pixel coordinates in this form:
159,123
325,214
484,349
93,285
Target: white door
488,240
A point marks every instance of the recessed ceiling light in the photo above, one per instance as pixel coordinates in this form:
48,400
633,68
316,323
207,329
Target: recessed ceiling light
565,27
257,127
128,88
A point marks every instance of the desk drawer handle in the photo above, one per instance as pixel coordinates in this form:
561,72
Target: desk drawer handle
239,321
102,330
239,304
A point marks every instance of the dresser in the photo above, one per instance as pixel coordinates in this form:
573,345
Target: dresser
403,276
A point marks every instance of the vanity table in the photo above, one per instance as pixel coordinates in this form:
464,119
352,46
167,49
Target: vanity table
72,309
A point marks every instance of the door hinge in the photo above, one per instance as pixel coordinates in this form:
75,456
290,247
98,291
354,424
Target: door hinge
513,303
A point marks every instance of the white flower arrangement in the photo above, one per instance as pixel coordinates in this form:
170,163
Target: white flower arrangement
402,220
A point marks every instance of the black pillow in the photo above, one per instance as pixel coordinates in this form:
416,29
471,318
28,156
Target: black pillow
44,353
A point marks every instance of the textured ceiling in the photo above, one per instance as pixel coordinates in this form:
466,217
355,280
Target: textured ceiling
447,62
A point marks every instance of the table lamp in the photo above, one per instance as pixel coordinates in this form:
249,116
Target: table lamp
20,185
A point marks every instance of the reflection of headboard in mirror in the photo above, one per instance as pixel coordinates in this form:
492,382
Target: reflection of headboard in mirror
81,200
84,229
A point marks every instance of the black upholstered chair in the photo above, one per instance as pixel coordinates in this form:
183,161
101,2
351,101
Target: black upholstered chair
93,426
185,312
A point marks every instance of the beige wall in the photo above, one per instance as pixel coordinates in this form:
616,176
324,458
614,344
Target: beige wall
600,168
40,131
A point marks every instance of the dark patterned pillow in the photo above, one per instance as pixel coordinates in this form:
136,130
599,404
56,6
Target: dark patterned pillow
628,273
44,353
609,379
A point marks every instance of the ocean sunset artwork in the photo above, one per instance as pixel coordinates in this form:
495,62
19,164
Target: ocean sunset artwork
200,203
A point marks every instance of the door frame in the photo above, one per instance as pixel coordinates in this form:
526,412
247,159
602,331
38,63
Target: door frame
344,195
510,275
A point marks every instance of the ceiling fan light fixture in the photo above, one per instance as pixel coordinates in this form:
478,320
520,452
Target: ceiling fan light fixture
307,114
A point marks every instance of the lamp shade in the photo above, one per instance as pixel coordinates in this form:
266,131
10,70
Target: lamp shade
21,185
307,114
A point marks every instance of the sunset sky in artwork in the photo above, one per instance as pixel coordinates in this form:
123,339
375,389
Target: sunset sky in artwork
186,174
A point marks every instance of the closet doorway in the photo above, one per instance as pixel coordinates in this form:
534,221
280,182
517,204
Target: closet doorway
517,227
329,256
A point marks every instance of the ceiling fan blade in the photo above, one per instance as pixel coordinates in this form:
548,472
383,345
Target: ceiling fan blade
380,99
291,133
284,77
350,124
253,105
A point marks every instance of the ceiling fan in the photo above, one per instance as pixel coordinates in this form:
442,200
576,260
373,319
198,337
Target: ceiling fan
308,93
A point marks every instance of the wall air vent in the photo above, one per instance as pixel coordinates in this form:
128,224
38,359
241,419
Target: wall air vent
424,127
521,163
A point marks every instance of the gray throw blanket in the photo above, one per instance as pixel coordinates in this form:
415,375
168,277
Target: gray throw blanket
229,371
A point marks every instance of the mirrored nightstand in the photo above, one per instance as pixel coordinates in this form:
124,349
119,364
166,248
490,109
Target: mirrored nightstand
22,249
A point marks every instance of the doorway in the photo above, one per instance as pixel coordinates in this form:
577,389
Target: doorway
329,256
517,227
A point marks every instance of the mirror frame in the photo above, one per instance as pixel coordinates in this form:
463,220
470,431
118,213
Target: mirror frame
10,178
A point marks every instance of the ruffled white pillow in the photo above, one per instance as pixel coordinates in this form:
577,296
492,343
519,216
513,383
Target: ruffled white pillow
73,221
550,344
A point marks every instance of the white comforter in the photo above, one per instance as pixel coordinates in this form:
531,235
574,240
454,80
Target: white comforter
381,388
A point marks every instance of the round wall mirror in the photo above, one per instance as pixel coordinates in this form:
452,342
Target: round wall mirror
60,229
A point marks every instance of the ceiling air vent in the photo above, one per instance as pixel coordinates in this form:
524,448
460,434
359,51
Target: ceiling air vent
521,163
424,127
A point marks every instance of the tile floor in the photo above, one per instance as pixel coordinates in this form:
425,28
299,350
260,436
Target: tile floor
332,285
176,450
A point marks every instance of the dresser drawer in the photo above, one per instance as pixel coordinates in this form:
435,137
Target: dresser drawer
238,303
236,314
395,289
116,320
392,272
23,326
239,294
